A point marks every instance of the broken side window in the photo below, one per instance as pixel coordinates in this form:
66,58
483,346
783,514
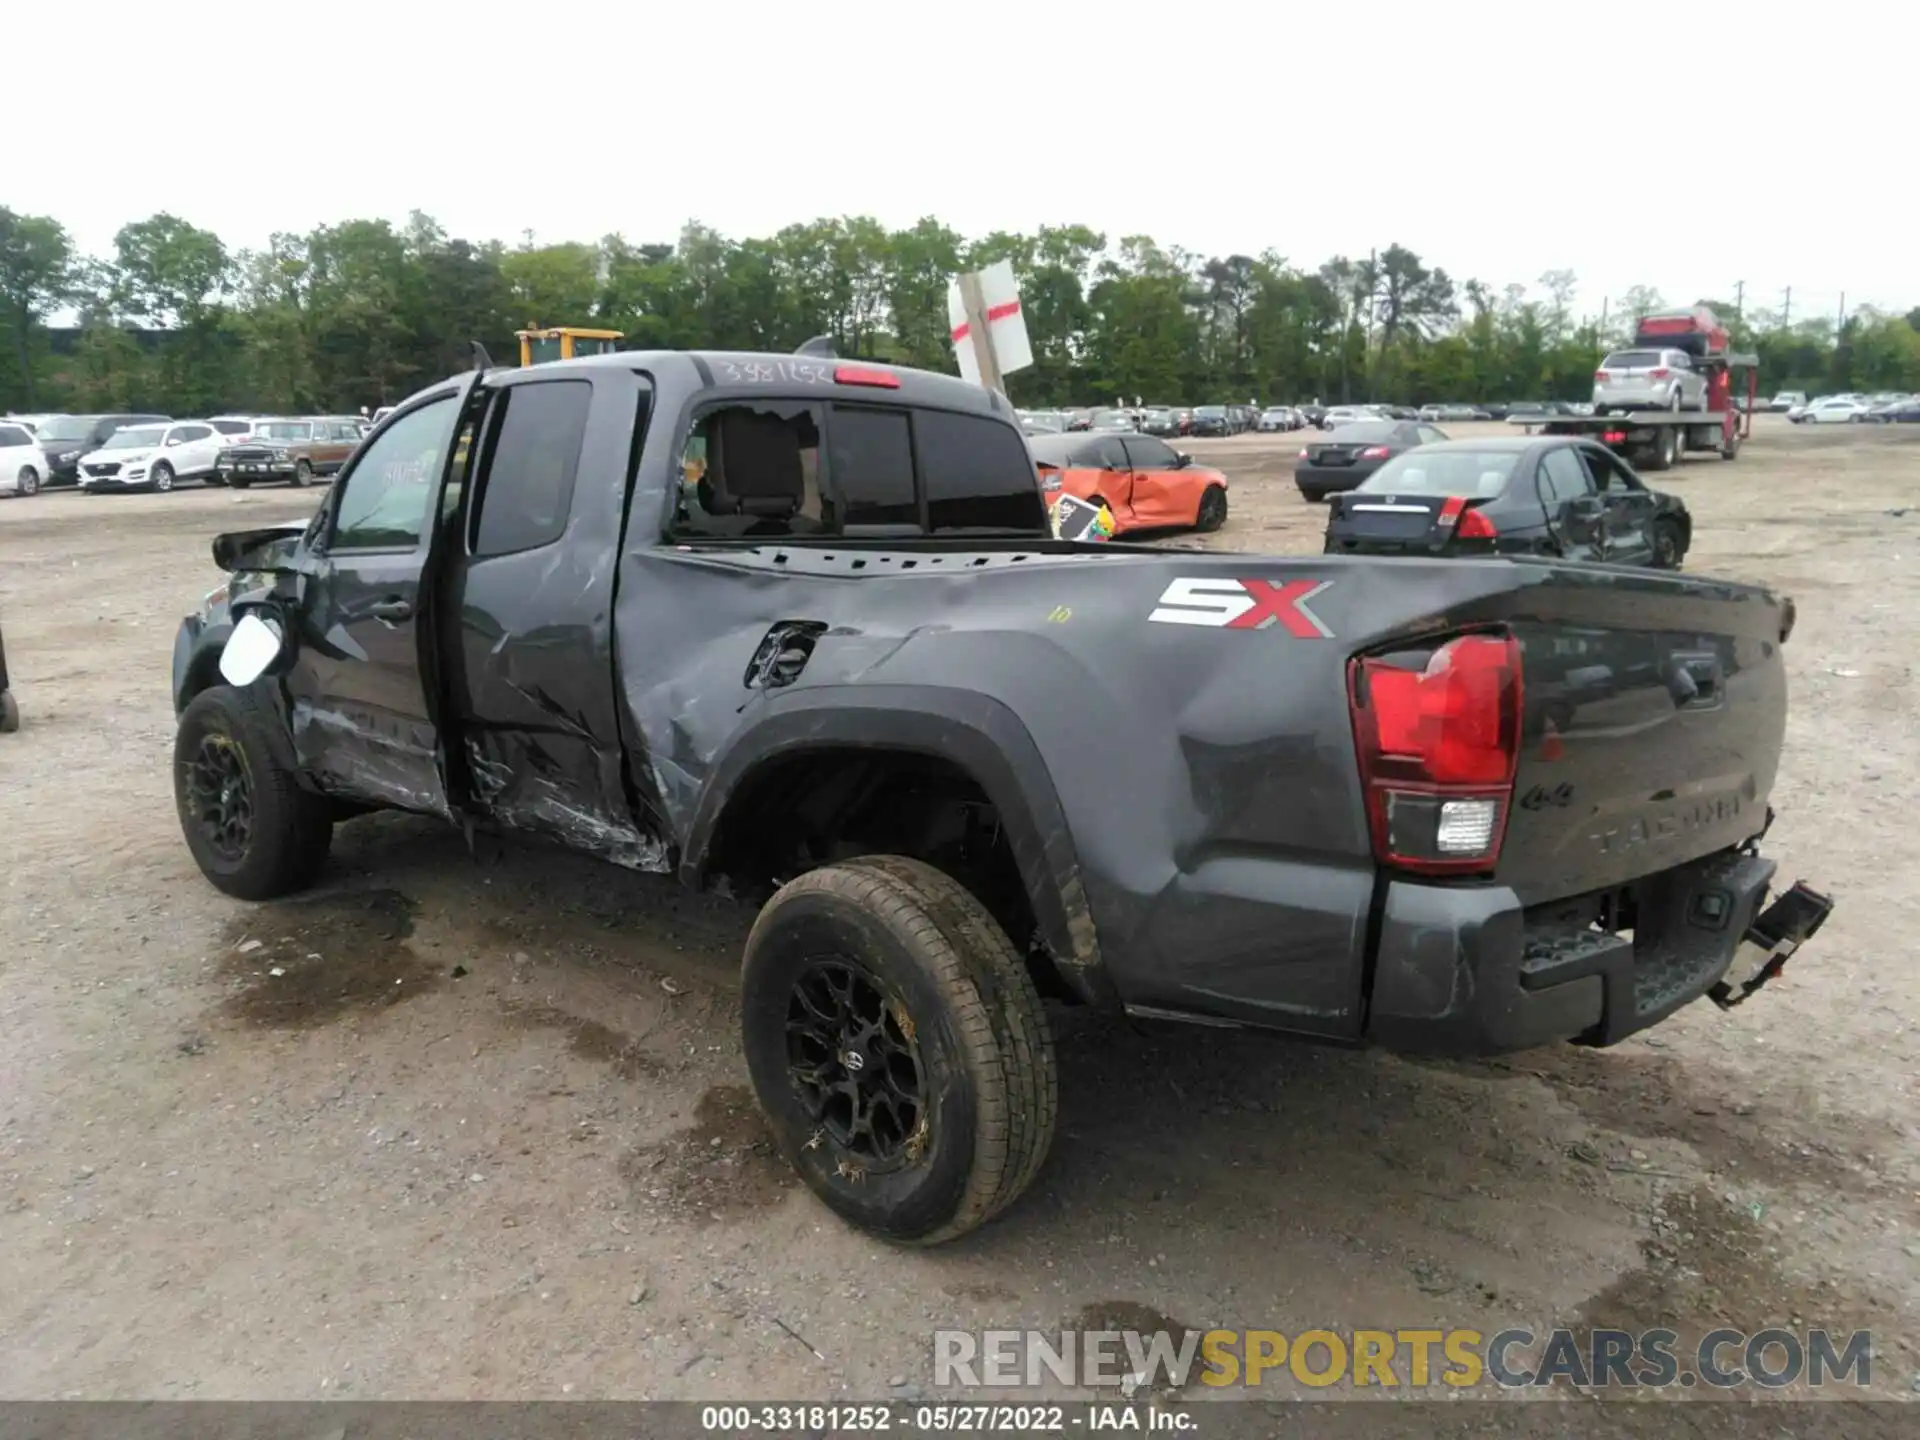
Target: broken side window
751,471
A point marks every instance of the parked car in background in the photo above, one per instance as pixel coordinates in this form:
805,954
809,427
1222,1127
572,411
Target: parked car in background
22,465
1039,422
65,438
1144,483
1348,415
1111,422
1538,495
151,457
1900,412
1162,422
31,422
1212,420
296,451
1787,400
1353,452
1436,413
1834,410
1280,418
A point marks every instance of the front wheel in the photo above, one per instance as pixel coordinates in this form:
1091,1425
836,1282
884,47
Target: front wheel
302,473
1213,509
252,830
898,1048
1669,545
162,477
28,481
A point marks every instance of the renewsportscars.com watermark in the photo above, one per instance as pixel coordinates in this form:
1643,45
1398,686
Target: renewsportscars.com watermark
1364,1359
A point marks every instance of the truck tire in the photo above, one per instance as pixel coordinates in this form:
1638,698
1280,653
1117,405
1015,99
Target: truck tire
1730,446
252,830
9,713
1666,450
897,1047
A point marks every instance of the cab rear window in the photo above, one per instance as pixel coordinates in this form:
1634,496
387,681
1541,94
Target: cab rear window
772,469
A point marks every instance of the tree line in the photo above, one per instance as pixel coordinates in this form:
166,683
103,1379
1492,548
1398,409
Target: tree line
364,312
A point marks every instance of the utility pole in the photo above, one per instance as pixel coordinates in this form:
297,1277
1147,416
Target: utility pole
1841,323
1739,298
1786,310
1604,303
983,356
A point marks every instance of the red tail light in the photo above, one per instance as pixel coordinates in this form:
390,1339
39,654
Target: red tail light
1660,374
1615,437
859,375
1375,452
1474,525
1438,746
1601,375
1305,456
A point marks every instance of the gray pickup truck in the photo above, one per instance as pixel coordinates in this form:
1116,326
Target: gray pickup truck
800,622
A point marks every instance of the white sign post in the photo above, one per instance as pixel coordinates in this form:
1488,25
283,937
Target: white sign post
989,330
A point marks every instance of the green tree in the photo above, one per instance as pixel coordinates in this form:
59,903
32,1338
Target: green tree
36,269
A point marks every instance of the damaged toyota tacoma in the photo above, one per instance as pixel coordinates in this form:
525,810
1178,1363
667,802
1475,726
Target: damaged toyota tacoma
800,623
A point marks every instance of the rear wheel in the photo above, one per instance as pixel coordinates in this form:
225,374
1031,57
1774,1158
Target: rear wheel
252,830
1213,509
238,484
9,713
898,1048
1669,544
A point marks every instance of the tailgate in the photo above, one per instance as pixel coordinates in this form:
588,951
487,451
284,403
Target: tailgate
1651,735
1332,454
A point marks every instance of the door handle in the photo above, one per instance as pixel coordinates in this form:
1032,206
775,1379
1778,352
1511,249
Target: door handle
392,611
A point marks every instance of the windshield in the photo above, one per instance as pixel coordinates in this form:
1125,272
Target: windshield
1631,360
284,430
139,437
1443,472
1212,412
65,428
229,427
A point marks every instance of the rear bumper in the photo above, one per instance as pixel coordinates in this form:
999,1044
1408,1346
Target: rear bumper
1468,971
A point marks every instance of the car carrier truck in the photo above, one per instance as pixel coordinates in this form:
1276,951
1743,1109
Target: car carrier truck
1656,439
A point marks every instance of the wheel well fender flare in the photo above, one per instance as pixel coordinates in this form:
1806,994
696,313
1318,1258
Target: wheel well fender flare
974,731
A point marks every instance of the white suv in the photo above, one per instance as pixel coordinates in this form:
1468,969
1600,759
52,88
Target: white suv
152,457
1648,380
21,463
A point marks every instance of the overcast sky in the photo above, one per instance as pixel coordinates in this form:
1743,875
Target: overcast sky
1683,146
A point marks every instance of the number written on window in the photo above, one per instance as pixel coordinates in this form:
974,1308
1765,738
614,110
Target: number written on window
387,494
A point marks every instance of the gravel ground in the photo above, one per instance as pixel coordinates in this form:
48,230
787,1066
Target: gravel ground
474,1125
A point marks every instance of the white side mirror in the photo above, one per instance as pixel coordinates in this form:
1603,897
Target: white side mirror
253,646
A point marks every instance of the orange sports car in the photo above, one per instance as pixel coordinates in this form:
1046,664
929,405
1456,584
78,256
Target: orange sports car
1145,483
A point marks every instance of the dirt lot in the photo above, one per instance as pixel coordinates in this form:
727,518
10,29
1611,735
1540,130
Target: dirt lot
463,1126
